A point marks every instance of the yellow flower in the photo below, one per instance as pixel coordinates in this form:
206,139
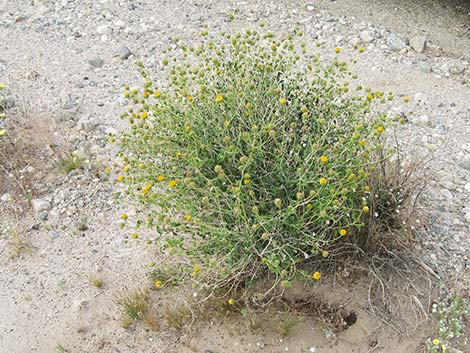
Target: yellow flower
197,268
231,301
337,49
343,232
146,188
126,94
361,50
323,181
187,217
362,143
243,159
189,98
161,177
125,168
172,183
124,216
246,181
367,188
436,342
380,129
325,253
141,166
120,178
283,101
278,202
316,276
112,139
157,94
365,209
144,115
134,235
146,94
107,170
324,159
126,87
219,98
406,99
158,284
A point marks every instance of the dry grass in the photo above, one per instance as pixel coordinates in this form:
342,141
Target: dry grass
17,244
95,280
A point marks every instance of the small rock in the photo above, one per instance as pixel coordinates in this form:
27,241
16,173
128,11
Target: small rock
124,52
102,29
196,17
310,7
40,205
465,164
366,36
396,43
43,216
5,197
418,43
467,187
54,235
456,69
422,120
87,124
96,62
35,226
424,67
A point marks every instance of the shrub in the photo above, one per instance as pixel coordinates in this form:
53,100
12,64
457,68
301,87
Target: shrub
252,157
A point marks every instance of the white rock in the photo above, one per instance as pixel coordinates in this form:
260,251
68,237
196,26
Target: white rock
367,36
422,120
418,43
40,205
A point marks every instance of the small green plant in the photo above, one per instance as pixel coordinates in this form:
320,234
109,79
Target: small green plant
60,348
254,158
453,315
70,161
95,280
287,325
132,304
17,244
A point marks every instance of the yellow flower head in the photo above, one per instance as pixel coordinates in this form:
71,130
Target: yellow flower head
243,159
187,217
197,268
219,98
325,253
172,183
278,202
107,170
316,276
158,284
436,342
124,216
112,139
246,181
144,115
231,301
323,181
337,50
120,178
146,188
324,159
365,209
134,235
157,94
407,99
343,232
283,101
161,177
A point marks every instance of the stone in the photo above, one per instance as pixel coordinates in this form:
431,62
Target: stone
43,216
453,350
96,62
467,187
424,67
124,52
465,164
422,120
40,205
310,7
5,197
54,235
457,69
366,36
87,124
418,43
396,43
103,29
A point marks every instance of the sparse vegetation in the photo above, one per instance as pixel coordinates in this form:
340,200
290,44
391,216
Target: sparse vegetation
95,280
287,325
18,244
70,161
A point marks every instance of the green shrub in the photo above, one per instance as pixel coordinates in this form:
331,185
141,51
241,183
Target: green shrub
252,157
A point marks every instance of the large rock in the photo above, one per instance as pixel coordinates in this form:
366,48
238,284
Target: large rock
124,52
418,43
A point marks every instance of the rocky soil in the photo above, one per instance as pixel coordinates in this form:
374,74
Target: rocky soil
64,63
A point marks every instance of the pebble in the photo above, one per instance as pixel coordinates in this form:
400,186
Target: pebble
366,36
422,120
40,205
418,43
453,350
124,52
86,123
43,216
5,197
96,62
54,235
396,43
467,187
424,67
465,164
